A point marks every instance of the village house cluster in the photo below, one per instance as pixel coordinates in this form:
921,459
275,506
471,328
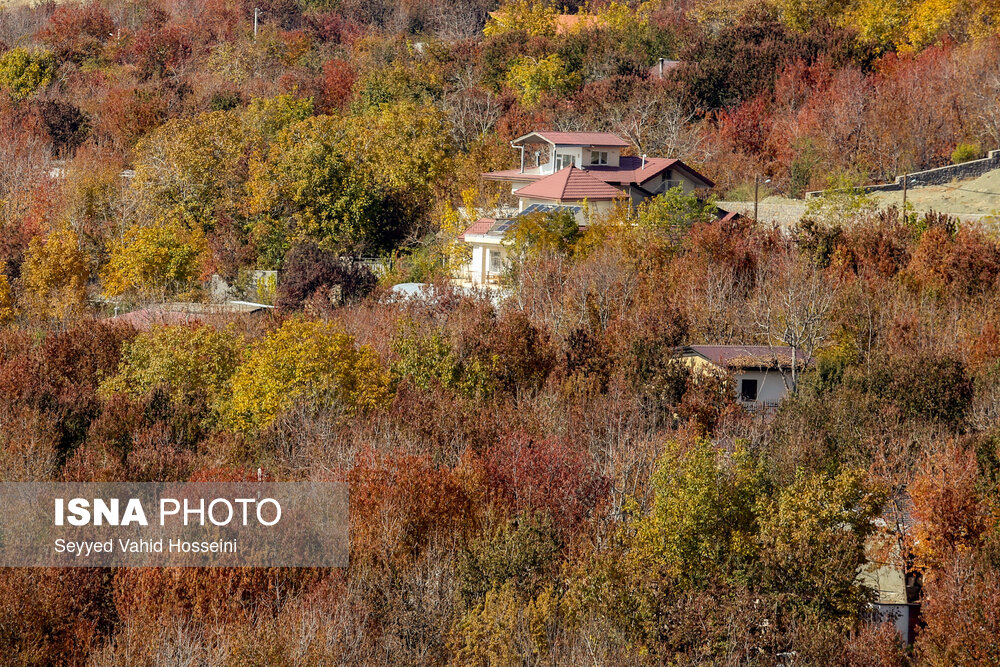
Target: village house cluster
585,173
582,172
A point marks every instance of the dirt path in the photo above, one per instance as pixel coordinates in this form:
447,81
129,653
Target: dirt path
973,200
978,197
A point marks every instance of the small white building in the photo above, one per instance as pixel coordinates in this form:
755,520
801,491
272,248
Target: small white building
763,373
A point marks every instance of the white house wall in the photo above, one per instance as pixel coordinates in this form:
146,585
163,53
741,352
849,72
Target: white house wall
576,152
770,384
477,270
614,156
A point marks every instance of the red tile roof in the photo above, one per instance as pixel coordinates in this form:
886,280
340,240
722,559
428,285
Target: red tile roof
578,138
480,226
630,171
570,184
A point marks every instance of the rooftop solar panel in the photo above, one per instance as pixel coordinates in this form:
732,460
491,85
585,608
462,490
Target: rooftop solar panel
549,208
501,226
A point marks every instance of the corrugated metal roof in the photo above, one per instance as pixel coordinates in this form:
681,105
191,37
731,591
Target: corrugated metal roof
570,184
145,318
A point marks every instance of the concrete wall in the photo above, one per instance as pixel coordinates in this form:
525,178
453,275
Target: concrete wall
477,271
770,385
614,156
938,176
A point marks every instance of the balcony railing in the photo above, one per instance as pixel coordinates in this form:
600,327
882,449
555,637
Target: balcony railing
760,406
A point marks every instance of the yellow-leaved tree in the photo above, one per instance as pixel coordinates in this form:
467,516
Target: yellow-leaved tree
352,186
194,169
306,363
536,18
531,77
7,311
456,254
55,275
616,16
194,363
154,261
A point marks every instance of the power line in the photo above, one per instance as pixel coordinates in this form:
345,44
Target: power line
978,192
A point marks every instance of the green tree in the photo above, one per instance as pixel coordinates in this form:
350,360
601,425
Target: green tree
843,200
812,541
540,233
350,184
194,169
188,167
522,552
429,359
406,147
310,189
703,519
671,214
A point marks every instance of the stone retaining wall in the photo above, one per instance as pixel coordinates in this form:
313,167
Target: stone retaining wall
938,176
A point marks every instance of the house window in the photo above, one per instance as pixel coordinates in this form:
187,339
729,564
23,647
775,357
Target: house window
748,390
598,157
563,161
495,261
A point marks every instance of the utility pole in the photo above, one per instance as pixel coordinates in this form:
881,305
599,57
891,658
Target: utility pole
256,13
756,194
904,196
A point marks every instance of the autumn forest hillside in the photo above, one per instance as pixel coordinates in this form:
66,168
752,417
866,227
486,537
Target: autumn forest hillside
535,477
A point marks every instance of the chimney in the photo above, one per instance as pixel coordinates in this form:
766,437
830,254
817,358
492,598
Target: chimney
643,160
661,68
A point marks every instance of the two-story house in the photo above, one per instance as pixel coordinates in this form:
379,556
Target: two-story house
578,171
